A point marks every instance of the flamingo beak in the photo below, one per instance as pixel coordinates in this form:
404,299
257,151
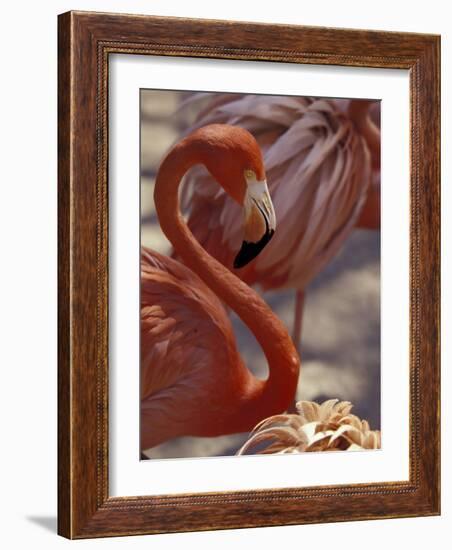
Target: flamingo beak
259,224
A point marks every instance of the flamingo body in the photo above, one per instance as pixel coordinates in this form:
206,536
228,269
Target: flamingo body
190,366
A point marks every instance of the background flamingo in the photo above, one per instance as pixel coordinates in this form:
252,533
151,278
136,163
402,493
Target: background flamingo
319,156
193,381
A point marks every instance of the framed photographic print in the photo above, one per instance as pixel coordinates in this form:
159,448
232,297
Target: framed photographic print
248,275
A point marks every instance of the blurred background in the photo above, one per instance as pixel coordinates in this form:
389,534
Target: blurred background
340,343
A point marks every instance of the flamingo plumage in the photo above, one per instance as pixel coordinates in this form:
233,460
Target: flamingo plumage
321,159
193,380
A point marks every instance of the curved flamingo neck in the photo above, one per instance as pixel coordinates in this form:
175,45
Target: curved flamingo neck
262,398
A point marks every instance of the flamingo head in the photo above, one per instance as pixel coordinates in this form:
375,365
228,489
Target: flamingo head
234,159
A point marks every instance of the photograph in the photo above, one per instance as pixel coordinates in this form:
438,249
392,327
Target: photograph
260,274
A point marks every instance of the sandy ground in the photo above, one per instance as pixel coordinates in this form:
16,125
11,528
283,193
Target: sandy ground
340,346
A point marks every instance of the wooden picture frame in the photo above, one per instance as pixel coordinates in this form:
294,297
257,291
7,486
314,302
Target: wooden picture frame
85,42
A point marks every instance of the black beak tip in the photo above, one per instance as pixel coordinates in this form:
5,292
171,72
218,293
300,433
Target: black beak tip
249,250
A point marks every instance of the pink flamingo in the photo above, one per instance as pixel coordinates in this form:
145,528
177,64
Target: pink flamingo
193,380
319,156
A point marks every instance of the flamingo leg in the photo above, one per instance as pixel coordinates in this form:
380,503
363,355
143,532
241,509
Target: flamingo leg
296,334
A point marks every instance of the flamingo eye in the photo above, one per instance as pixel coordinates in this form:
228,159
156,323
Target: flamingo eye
250,175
